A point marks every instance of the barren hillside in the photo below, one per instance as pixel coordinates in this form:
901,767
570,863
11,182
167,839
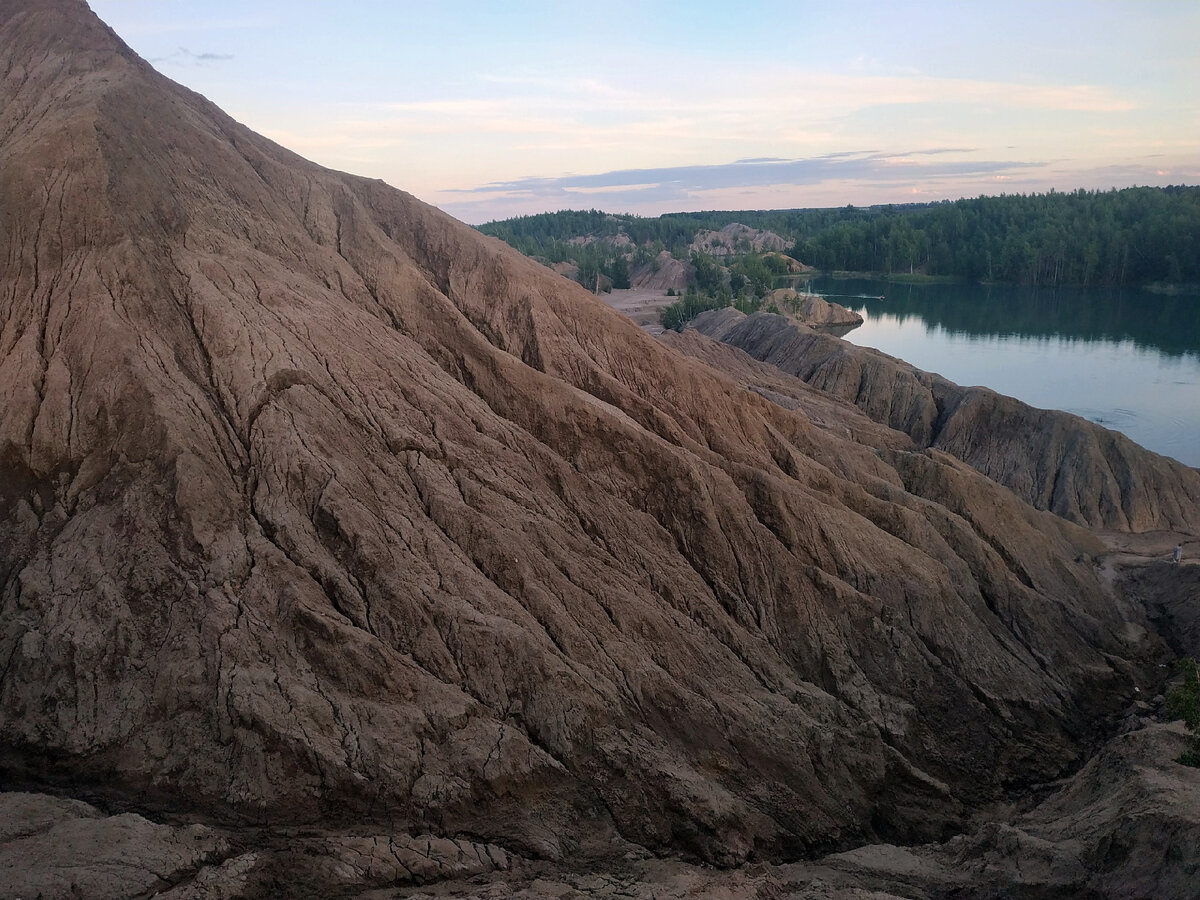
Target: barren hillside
325,518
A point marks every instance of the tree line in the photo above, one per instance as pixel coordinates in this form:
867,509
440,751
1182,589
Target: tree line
1137,235
1130,236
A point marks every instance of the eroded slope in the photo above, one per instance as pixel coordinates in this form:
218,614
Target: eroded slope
1051,459
319,507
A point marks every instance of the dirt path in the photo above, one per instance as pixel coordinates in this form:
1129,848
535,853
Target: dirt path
1127,550
640,304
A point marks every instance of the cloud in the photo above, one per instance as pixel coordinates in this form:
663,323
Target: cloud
934,151
677,182
184,56
781,107
924,182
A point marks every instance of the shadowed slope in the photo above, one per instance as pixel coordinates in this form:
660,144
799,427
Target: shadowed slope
317,506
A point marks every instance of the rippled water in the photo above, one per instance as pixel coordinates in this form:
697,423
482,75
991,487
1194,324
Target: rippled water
1128,360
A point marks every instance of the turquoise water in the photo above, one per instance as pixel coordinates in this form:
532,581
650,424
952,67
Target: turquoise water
1128,360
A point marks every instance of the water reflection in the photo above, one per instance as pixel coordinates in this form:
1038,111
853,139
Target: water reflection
1165,323
1127,360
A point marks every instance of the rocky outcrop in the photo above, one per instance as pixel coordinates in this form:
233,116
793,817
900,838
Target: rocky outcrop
568,270
813,310
1126,825
1054,460
51,847
619,241
322,514
663,273
736,238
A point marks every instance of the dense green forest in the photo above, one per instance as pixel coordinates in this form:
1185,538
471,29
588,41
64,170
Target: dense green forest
1127,236
1132,236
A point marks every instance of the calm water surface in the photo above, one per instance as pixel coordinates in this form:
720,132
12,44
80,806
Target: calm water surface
1128,360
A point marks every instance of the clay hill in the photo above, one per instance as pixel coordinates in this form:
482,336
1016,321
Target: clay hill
344,550
736,236
1053,460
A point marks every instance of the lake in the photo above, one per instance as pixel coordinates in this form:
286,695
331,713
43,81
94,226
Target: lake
1126,359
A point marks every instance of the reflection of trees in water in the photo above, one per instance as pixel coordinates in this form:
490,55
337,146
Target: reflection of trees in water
1169,324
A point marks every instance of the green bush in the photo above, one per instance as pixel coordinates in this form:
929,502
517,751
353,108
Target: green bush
1184,703
682,311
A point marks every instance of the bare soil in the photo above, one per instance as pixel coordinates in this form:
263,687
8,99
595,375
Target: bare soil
640,304
1132,549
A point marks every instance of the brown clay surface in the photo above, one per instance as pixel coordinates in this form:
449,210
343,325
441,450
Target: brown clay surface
388,555
642,305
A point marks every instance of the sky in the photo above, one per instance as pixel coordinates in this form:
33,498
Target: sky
492,110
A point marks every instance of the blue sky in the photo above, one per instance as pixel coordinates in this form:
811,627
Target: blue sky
496,109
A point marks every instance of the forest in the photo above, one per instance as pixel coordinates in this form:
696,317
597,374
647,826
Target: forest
1130,236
